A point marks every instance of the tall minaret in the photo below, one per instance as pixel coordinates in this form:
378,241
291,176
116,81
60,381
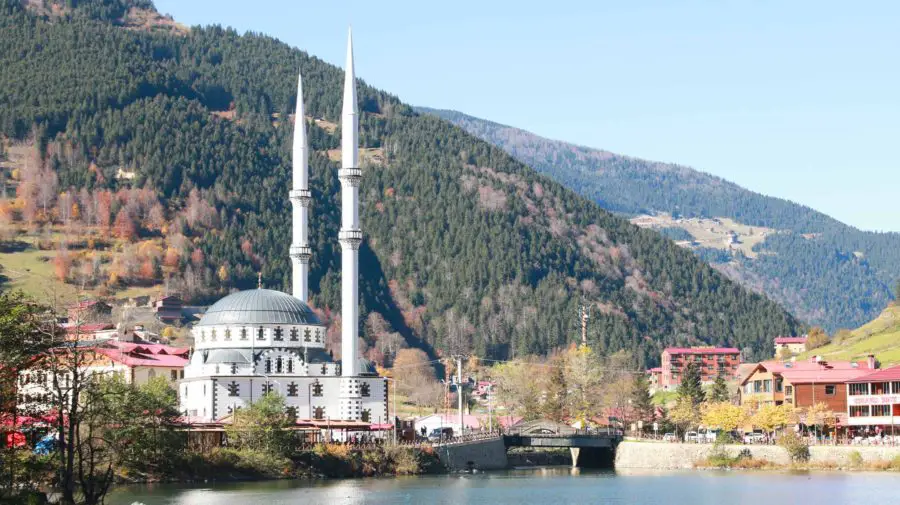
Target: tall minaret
300,200
350,235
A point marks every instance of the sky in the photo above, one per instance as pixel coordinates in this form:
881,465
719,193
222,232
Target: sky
799,99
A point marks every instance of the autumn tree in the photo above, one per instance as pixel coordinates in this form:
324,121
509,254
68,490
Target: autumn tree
641,402
723,415
684,414
820,416
124,227
520,387
816,338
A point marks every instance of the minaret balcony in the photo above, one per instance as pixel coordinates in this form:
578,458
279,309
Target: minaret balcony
301,252
352,238
350,173
304,196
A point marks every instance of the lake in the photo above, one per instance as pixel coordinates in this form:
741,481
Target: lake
556,485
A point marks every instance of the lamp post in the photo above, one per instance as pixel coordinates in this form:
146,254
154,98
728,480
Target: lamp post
393,417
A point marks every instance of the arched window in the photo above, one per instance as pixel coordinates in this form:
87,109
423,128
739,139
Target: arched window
268,365
279,333
212,335
318,335
366,416
295,334
260,333
317,388
243,333
292,389
306,335
234,369
227,333
290,365
365,389
319,413
278,364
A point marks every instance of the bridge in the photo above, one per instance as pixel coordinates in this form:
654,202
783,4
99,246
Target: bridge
486,451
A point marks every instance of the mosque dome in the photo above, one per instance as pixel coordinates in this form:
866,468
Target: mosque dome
259,306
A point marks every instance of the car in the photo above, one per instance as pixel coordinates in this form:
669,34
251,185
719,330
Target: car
754,438
438,435
708,435
669,437
691,436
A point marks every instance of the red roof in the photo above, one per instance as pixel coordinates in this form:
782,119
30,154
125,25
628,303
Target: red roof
89,328
790,340
830,376
886,375
655,370
154,355
809,371
702,350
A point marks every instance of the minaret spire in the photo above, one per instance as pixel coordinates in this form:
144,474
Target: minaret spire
300,201
350,235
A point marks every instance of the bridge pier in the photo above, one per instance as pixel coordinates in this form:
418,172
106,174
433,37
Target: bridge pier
575,452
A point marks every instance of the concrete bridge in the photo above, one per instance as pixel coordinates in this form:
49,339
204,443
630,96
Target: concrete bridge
588,448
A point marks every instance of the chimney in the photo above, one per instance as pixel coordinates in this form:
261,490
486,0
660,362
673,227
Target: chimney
870,360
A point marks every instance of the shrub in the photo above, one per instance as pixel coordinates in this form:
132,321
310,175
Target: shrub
796,448
855,459
895,463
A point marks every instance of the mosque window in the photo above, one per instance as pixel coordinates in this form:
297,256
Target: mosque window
268,365
306,335
318,335
366,416
290,365
260,333
324,369
227,333
319,413
234,369
317,388
295,334
212,335
268,387
291,412
234,389
365,390
243,333
278,364
203,336
292,389
279,333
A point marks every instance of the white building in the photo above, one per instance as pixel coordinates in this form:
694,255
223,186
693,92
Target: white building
258,341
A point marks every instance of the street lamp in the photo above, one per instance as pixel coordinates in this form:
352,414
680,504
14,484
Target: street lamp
393,418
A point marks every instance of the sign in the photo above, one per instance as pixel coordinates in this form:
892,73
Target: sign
873,400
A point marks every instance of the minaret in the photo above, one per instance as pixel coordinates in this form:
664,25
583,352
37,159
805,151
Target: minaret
300,200
350,235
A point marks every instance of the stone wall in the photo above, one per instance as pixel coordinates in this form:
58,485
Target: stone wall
479,455
676,456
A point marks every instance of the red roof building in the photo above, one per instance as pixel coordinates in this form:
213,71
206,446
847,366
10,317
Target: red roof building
793,345
712,361
873,400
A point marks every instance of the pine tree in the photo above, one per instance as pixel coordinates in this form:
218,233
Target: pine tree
690,386
719,391
640,398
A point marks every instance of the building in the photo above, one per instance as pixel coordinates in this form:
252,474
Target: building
793,345
654,378
713,361
803,384
258,341
873,402
136,363
168,309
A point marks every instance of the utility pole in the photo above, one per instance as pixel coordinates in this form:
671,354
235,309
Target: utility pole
459,392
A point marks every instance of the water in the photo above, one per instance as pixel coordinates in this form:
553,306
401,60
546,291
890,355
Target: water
561,486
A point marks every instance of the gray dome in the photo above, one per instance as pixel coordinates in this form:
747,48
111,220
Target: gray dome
259,306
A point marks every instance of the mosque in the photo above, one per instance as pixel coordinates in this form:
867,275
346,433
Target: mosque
258,341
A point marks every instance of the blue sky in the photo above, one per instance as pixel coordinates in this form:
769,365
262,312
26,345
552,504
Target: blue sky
796,99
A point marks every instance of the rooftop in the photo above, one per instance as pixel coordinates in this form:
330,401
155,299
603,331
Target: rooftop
790,340
259,306
702,350
886,375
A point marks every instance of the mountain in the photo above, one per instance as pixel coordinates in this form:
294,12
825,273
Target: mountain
880,337
177,142
824,271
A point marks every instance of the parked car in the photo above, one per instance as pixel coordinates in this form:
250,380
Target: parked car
669,437
691,436
708,435
754,438
440,435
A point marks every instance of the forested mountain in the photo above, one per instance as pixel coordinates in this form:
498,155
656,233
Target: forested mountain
824,271
466,247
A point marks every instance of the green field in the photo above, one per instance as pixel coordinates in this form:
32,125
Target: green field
880,337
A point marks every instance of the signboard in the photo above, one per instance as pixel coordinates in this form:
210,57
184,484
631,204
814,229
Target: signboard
873,400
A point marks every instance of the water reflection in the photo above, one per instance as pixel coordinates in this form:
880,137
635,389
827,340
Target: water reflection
556,485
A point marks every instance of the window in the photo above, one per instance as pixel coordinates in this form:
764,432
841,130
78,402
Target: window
234,389
204,390
212,335
859,389
268,365
295,334
324,369
366,416
879,388
859,411
319,413
767,386
292,389
365,390
173,374
181,374
757,386
306,335
234,369
317,388
260,333
788,390
291,412
290,365
829,389
318,335
185,392
202,336
243,333
268,387
779,385
227,333
279,333
881,410
895,388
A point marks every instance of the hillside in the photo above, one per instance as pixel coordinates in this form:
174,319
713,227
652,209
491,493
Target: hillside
880,337
466,247
824,271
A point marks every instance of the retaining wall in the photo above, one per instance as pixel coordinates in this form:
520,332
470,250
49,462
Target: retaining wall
480,455
678,456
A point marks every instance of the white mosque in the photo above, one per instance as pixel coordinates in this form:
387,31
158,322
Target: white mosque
258,341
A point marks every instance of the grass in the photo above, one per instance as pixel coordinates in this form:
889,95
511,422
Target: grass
880,337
